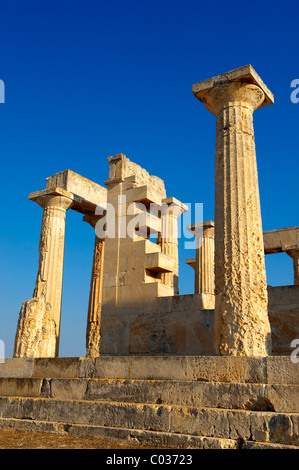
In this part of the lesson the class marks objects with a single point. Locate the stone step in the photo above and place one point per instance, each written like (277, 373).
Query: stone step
(262, 370)
(134, 436)
(260, 426)
(262, 397)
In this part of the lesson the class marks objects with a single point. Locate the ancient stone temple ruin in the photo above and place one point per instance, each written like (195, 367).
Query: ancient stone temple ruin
(214, 369)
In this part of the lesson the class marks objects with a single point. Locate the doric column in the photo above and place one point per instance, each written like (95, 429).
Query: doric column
(45, 307)
(204, 264)
(241, 318)
(294, 254)
(171, 210)
(95, 294)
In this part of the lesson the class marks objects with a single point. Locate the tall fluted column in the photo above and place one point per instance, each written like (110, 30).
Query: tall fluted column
(51, 251)
(241, 317)
(294, 254)
(95, 294)
(39, 322)
(203, 264)
(204, 273)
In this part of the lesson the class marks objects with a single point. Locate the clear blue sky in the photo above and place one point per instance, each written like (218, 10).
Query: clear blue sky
(86, 80)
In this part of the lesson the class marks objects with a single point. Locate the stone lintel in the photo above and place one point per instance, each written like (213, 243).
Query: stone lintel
(281, 240)
(242, 74)
(81, 187)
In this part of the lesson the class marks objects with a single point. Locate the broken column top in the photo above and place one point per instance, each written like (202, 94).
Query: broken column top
(121, 168)
(242, 74)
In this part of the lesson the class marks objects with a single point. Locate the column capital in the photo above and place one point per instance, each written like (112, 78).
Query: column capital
(55, 197)
(205, 229)
(241, 86)
(172, 201)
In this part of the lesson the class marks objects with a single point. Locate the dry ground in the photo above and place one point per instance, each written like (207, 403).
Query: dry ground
(12, 439)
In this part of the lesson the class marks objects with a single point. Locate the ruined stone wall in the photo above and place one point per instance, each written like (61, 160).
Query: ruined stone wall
(164, 325)
(180, 325)
(284, 317)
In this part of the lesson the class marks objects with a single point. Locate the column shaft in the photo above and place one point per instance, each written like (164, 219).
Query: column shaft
(241, 317)
(204, 271)
(51, 260)
(95, 300)
(169, 247)
(39, 322)
(241, 312)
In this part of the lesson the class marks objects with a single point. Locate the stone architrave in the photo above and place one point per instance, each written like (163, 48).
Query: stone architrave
(39, 321)
(241, 319)
(95, 295)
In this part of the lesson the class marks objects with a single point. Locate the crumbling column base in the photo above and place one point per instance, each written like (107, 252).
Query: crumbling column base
(36, 331)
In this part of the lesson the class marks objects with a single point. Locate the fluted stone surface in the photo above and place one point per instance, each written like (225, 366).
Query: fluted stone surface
(241, 319)
(95, 300)
(168, 240)
(204, 273)
(39, 321)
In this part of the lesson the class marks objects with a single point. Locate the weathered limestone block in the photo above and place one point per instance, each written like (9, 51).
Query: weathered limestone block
(284, 317)
(36, 331)
(241, 319)
(85, 193)
(120, 167)
(280, 240)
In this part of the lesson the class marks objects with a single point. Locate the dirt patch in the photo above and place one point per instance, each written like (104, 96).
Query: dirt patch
(13, 439)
